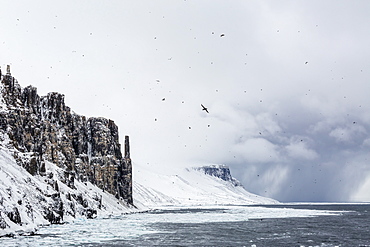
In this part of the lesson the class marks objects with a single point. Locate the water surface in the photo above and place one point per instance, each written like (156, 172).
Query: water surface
(275, 225)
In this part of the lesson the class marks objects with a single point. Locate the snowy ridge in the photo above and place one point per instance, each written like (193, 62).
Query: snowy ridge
(189, 187)
(26, 199)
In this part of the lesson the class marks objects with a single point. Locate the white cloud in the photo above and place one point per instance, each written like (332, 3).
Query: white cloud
(299, 150)
(257, 150)
(348, 133)
(268, 125)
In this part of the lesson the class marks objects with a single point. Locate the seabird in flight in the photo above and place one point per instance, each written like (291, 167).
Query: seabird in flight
(204, 108)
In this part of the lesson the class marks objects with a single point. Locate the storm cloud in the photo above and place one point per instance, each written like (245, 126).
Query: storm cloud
(286, 84)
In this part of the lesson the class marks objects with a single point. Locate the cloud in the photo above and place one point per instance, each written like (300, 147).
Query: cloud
(256, 150)
(267, 124)
(283, 72)
(366, 142)
(301, 151)
(348, 133)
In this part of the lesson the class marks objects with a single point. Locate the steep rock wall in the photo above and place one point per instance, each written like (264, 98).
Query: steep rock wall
(40, 129)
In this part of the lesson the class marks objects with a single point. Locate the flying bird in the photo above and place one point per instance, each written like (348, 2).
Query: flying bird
(204, 108)
(222, 35)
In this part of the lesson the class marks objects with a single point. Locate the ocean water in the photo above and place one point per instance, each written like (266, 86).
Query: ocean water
(254, 226)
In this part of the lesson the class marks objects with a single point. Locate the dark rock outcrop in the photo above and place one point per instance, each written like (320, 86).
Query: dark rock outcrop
(14, 215)
(43, 129)
(219, 171)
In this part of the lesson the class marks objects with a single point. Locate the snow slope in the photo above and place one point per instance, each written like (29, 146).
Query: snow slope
(26, 199)
(189, 187)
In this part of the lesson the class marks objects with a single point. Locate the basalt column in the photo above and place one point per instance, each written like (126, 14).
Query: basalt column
(127, 172)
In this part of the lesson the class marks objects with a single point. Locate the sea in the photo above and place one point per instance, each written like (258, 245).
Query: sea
(253, 226)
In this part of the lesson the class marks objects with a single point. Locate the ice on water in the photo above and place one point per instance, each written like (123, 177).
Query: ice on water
(129, 226)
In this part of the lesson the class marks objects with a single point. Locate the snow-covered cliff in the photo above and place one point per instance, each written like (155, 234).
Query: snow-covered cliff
(28, 201)
(219, 171)
(55, 164)
(206, 185)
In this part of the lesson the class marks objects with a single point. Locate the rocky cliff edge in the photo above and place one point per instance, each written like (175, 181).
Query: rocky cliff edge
(41, 130)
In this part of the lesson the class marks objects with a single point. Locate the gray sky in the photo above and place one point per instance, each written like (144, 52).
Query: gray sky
(287, 84)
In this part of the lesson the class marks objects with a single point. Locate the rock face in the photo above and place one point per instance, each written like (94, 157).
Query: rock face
(39, 129)
(28, 201)
(219, 171)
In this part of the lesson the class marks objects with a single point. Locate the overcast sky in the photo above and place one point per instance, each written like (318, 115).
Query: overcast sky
(286, 83)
